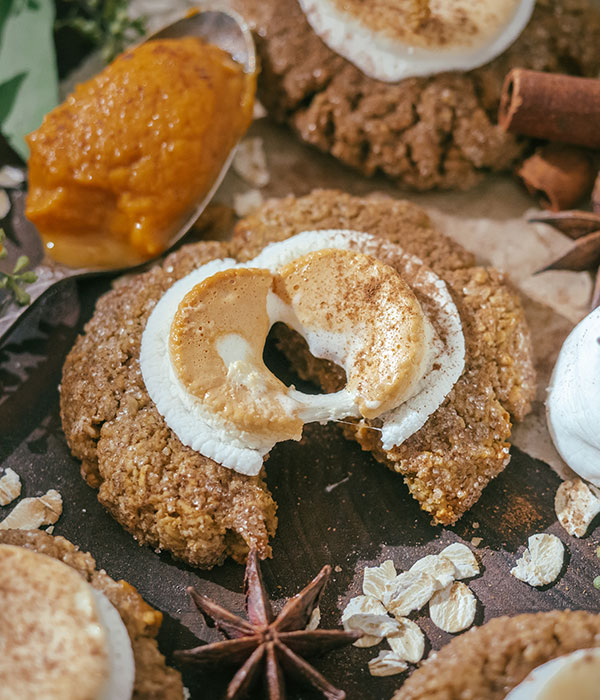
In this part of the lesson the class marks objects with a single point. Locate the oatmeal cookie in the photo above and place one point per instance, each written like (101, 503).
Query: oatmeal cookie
(447, 463)
(154, 680)
(435, 132)
(489, 661)
(172, 497)
(163, 492)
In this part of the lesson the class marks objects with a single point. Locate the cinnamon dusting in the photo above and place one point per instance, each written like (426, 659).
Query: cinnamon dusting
(426, 24)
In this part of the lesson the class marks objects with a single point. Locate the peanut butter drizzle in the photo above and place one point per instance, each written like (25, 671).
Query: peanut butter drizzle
(231, 305)
(360, 304)
(361, 298)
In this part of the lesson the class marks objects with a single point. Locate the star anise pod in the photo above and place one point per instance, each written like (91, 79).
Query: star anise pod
(583, 228)
(266, 643)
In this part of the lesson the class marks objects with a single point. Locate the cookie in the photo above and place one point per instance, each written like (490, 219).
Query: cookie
(448, 462)
(154, 680)
(163, 492)
(435, 132)
(172, 497)
(489, 661)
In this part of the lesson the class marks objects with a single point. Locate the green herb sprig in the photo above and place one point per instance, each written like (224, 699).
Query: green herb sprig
(16, 280)
(106, 23)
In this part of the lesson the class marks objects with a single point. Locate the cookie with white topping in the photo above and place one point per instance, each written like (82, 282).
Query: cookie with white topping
(466, 438)
(72, 631)
(506, 657)
(426, 131)
(186, 491)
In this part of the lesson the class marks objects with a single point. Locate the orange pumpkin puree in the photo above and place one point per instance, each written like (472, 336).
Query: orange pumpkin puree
(119, 166)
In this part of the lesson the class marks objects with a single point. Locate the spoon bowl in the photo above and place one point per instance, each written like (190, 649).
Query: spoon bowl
(215, 25)
(224, 28)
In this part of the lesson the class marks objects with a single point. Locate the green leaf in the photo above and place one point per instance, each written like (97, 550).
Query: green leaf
(4, 11)
(28, 76)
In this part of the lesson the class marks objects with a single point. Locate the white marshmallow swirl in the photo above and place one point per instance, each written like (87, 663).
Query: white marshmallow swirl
(243, 450)
(457, 35)
(575, 675)
(573, 403)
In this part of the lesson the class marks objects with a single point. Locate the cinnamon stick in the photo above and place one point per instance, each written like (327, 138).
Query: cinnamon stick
(560, 176)
(551, 106)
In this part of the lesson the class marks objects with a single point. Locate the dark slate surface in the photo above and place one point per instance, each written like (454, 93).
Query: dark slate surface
(336, 505)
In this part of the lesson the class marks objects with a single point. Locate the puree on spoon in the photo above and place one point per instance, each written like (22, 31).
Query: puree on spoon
(122, 162)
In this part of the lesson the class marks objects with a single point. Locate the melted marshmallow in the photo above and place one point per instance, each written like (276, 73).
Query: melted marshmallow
(575, 675)
(573, 403)
(243, 450)
(359, 313)
(381, 40)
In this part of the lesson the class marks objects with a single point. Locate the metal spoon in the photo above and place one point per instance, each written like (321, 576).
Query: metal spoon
(219, 26)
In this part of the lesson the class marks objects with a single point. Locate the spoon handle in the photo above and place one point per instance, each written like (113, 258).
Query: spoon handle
(12, 313)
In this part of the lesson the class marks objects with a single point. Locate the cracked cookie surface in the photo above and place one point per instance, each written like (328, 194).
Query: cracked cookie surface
(447, 463)
(435, 132)
(489, 661)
